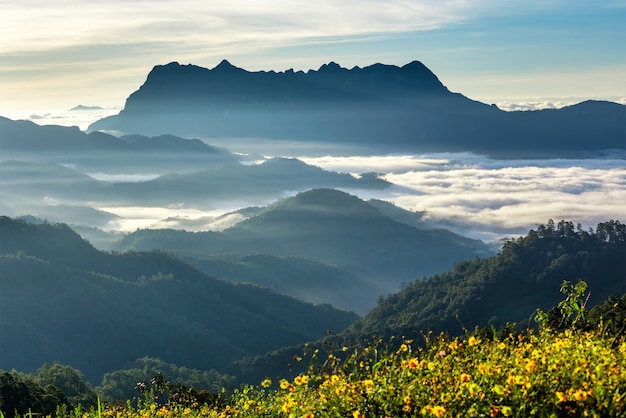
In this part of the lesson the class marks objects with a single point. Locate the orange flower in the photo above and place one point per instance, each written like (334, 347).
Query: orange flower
(495, 410)
(413, 363)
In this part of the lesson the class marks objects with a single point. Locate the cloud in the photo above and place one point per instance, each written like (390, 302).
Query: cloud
(489, 199)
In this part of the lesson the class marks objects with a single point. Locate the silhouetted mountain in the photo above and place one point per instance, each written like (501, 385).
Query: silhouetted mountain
(98, 151)
(379, 107)
(61, 299)
(327, 226)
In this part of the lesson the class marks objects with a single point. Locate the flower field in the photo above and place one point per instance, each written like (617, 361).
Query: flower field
(544, 374)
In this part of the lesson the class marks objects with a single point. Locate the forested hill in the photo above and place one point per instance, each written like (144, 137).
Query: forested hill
(526, 274)
(508, 287)
(62, 300)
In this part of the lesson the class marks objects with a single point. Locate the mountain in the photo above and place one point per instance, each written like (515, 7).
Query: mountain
(61, 299)
(328, 226)
(506, 288)
(98, 151)
(38, 188)
(301, 278)
(380, 108)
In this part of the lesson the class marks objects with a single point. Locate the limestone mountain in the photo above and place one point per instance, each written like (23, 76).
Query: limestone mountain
(380, 108)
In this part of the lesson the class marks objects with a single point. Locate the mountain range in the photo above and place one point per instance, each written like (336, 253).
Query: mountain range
(326, 226)
(379, 108)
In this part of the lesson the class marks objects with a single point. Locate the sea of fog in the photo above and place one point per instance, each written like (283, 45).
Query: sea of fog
(470, 194)
(474, 195)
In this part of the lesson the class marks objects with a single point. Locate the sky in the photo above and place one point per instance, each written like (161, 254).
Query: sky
(517, 54)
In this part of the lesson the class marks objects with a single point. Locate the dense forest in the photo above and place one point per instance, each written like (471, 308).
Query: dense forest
(507, 288)
(502, 290)
(62, 300)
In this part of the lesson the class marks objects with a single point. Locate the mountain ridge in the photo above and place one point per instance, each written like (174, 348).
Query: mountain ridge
(379, 108)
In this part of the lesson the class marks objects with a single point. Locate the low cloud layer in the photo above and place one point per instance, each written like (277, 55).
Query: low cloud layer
(489, 199)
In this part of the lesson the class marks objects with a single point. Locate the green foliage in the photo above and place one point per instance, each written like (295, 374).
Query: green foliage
(21, 394)
(70, 381)
(124, 384)
(61, 300)
(570, 311)
(507, 287)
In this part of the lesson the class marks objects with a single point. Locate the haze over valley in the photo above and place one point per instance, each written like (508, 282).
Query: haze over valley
(207, 211)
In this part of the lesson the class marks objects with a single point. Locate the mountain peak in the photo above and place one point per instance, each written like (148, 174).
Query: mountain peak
(225, 66)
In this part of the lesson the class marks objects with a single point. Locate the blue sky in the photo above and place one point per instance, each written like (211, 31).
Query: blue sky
(56, 55)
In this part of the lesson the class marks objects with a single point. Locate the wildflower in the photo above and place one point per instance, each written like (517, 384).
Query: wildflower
(369, 384)
(404, 347)
(442, 353)
(482, 368)
(454, 345)
(465, 377)
(580, 395)
(357, 414)
(561, 397)
(507, 411)
(438, 411)
(284, 384)
(266, 383)
(413, 363)
(472, 341)
(301, 380)
(495, 410)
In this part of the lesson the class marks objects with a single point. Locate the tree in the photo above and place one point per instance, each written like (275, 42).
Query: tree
(70, 381)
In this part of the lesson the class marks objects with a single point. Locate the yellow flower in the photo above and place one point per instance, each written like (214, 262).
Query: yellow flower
(413, 363)
(561, 397)
(404, 347)
(482, 368)
(301, 380)
(369, 384)
(580, 395)
(465, 377)
(472, 341)
(284, 384)
(266, 383)
(438, 411)
(357, 414)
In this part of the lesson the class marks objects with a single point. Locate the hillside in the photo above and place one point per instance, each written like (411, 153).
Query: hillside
(98, 151)
(379, 108)
(327, 226)
(507, 287)
(301, 278)
(63, 300)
